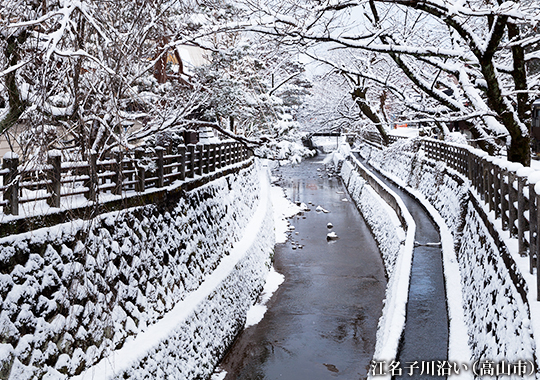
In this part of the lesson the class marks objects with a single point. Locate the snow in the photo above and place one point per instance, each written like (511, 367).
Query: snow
(488, 319)
(404, 132)
(331, 236)
(285, 150)
(218, 375)
(455, 137)
(283, 209)
(136, 294)
(326, 144)
(321, 209)
(136, 349)
(10, 156)
(256, 313)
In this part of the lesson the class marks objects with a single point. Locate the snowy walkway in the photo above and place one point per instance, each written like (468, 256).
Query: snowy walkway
(426, 328)
(321, 323)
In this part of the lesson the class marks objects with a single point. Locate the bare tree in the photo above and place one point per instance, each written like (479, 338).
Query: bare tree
(475, 49)
(86, 68)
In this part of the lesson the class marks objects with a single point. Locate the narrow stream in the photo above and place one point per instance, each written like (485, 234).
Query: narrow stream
(321, 323)
(425, 338)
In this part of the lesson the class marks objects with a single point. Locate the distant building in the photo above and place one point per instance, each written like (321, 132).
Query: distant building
(179, 63)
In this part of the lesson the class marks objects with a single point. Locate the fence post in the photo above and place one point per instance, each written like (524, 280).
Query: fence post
(92, 181)
(11, 194)
(182, 163)
(480, 176)
(216, 159)
(490, 189)
(212, 160)
(512, 197)
(533, 226)
(200, 155)
(470, 168)
(537, 248)
(54, 158)
(160, 151)
(204, 159)
(118, 175)
(475, 172)
(504, 199)
(219, 156)
(521, 216)
(497, 188)
(485, 181)
(206, 155)
(191, 150)
(140, 185)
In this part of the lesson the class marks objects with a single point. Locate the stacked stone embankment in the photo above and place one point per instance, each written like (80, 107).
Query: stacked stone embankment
(76, 297)
(495, 304)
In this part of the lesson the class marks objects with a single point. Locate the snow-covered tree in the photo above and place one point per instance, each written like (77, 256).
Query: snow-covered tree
(85, 70)
(94, 75)
(470, 59)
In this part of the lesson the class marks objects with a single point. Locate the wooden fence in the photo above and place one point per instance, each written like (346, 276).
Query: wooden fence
(374, 138)
(124, 171)
(508, 189)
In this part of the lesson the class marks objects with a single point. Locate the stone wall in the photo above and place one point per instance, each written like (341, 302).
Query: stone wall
(496, 309)
(396, 246)
(78, 293)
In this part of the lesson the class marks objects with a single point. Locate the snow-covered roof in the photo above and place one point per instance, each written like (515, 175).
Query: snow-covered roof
(192, 56)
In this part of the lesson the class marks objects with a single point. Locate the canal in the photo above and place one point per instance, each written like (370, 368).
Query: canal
(321, 323)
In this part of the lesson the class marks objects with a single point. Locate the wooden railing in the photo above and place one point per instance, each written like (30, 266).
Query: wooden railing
(375, 138)
(507, 189)
(124, 171)
(503, 186)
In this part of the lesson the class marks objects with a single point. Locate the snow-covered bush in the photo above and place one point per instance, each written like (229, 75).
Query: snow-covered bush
(285, 150)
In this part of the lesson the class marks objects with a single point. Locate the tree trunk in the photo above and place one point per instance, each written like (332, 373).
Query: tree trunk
(16, 105)
(359, 97)
(520, 150)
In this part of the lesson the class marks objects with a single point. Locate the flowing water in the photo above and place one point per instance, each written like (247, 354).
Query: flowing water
(425, 337)
(321, 322)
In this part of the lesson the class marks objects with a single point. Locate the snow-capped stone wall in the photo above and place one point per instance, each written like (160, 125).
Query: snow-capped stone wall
(395, 244)
(376, 214)
(496, 311)
(105, 290)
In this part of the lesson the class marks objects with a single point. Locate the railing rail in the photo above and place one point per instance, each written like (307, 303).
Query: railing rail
(374, 138)
(508, 189)
(122, 172)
